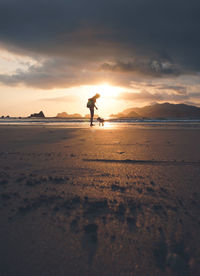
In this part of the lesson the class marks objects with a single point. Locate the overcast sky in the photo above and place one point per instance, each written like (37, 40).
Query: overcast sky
(53, 54)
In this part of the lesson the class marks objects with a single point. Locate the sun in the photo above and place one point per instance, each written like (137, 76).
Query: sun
(106, 90)
(108, 102)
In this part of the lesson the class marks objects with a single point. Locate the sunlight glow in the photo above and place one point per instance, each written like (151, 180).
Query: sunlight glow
(108, 102)
(106, 90)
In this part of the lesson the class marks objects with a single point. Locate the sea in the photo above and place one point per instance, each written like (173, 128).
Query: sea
(109, 122)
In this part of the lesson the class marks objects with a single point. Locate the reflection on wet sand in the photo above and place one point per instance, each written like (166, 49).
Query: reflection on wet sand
(114, 202)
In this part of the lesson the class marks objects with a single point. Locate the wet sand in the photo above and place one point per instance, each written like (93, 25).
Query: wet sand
(99, 201)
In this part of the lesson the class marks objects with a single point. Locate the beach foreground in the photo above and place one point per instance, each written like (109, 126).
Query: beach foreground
(99, 201)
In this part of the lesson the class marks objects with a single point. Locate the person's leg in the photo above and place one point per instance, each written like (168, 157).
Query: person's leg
(91, 115)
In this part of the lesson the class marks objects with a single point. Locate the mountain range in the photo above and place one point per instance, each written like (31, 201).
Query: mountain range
(164, 110)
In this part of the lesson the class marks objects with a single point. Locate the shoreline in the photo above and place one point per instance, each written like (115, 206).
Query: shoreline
(190, 125)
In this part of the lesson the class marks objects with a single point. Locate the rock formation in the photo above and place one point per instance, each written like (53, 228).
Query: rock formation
(37, 115)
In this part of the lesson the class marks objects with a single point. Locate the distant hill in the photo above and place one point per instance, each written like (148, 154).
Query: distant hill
(165, 110)
(66, 115)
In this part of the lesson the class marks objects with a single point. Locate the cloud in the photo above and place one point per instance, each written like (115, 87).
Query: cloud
(179, 89)
(154, 67)
(143, 39)
(145, 96)
(51, 73)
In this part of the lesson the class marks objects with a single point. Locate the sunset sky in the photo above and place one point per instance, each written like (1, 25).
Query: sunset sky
(54, 55)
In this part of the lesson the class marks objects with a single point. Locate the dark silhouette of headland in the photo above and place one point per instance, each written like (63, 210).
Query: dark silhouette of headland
(161, 111)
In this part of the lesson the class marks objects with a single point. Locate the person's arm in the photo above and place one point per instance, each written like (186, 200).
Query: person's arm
(95, 107)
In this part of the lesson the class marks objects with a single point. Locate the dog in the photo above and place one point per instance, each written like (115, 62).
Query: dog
(101, 121)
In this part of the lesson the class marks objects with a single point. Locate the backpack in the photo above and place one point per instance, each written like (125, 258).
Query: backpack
(89, 103)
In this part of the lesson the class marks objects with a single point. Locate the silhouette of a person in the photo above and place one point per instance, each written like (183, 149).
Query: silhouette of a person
(91, 105)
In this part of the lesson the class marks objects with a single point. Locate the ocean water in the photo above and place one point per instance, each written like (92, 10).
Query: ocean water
(109, 123)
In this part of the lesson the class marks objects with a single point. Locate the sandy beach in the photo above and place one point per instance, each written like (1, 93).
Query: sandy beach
(99, 201)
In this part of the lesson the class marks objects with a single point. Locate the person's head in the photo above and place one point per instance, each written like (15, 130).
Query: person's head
(97, 95)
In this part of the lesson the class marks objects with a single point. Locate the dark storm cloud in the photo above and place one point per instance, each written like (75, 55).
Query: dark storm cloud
(154, 67)
(153, 38)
